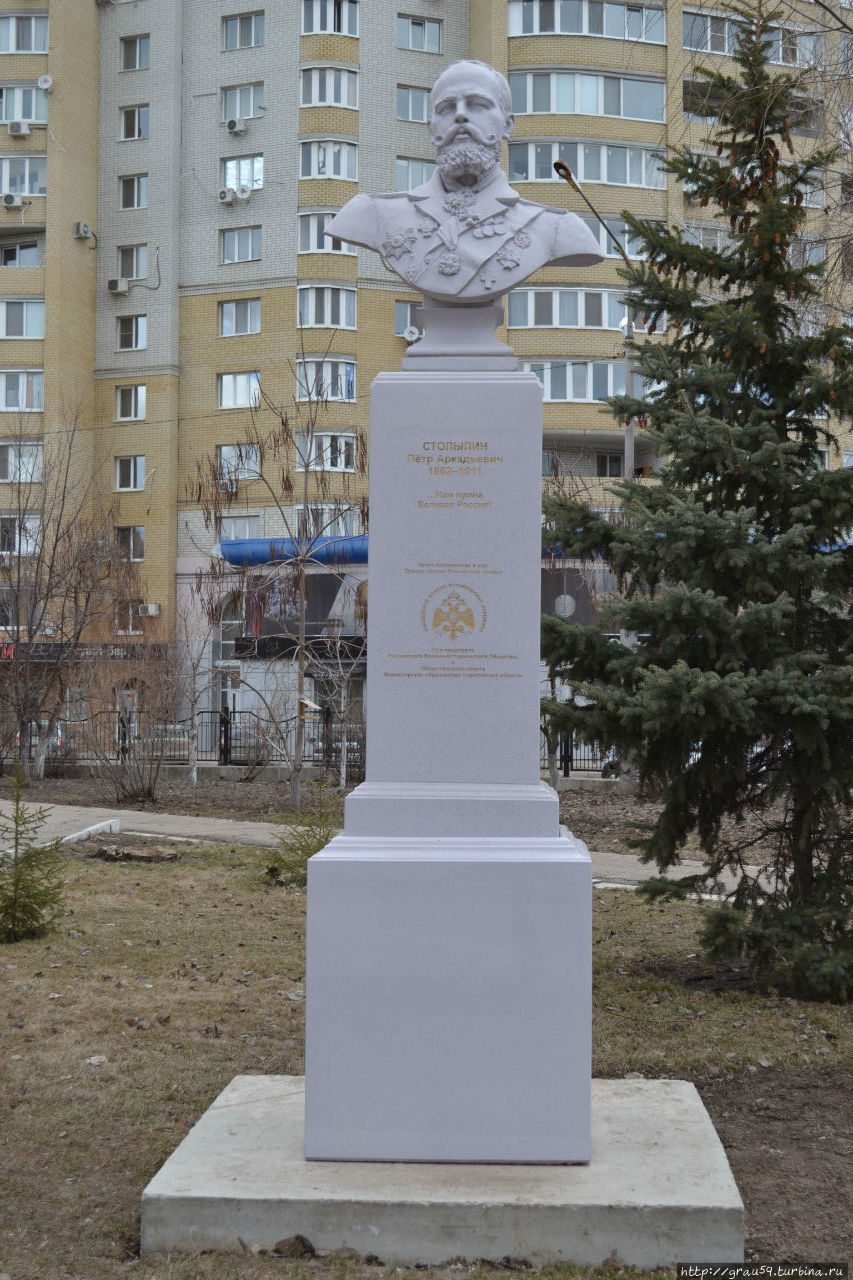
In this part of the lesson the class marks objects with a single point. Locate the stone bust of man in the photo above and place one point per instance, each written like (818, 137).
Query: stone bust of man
(466, 237)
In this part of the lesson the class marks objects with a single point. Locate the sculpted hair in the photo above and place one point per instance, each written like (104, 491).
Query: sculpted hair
(500, 85)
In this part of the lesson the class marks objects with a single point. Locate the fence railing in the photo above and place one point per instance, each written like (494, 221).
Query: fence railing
(239, 738)
(574, 756)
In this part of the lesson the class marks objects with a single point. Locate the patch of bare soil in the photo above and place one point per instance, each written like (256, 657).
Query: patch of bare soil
(788, 1137)
(256, 800)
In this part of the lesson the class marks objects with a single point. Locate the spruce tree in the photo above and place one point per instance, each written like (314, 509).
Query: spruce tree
(735, 568)
(31, 886)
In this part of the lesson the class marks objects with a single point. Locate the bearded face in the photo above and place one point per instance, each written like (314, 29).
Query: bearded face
(462, 154)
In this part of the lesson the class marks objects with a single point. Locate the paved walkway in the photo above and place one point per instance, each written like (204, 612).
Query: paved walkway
(67, 822)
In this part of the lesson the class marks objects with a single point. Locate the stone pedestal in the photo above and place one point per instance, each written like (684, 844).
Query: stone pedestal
(448, 954)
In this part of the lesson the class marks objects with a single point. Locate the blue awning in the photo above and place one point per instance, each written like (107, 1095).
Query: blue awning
(331, 551)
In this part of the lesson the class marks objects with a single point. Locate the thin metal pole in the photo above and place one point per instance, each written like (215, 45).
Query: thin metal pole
(563, 171)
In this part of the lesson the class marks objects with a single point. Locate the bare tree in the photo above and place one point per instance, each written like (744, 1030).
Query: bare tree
(60, 577)
(309, 476)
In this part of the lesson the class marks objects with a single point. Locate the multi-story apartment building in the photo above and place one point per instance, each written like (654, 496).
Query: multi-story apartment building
(167, 171)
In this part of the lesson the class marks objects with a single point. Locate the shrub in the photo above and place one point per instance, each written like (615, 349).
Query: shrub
(318, 823)
(31, 888)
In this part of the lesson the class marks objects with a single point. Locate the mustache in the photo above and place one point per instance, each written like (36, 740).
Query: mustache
(466, 131)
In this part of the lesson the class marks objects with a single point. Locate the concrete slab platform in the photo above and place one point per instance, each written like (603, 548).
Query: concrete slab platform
(658, 1189)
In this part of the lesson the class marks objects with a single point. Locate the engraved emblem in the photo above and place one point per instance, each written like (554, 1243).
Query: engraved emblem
(508, 260)
(454, 617)
(453, 612)
(459, 203)
(399, 243)
(488, 280)
(522, 239)
(449, 264)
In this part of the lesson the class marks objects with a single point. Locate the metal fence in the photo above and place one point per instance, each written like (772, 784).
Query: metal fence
(239, 738)
(575, 756)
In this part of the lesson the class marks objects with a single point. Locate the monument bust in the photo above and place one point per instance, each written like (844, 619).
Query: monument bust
(465, 237)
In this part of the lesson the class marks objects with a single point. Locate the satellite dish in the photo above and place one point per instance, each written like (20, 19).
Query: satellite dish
(45, 83)
(565, 606)
(411, 333)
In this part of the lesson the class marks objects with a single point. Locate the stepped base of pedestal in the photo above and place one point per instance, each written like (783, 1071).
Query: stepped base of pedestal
(453, 809)
(449, 1000)
(657, 1191)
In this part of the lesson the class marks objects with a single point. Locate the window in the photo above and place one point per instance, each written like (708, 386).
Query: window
(239, 390)
(566, 308)
(613, 164)
(23, 33)
(18, 102)
(847, 458)
(243, 171)
(708, 234)
(586, 17)
(581, 379)
(405, 317)
(325, 379)
(130, 402)
(21, 462)
(326, 308)
(243, 31)
(709, 33)
(238, 461)
(412, 104)
(21, 390)
(133, 191)
(238, 527)
(325, 520)
(20, 253)
(127, 617)
(8, 610)
(135, 53)
(133, 261)
(242, 244)
(329, 160)
(807, 253)
(608, 465)
(19, 535)
(22, 318)
(242, 101)
(23, 175)
(132, 333)
(130, 542)
(130, 473)
(325, 452)
(413, 173)
(582, 93)
(333, 16)
(133, 122)
(329, 86)
(240, 317)
(311, 238)
(619, 230)
(419, 33)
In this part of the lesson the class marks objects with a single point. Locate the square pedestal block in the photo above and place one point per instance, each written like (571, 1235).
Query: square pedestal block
(449, 1000)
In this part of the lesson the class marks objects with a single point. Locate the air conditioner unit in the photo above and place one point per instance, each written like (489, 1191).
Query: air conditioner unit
(45, 83)
(236, 125)
(18, 128)
(243, 192)
(226, 195)
(117, 284)
(82, 230)
(11, 201)
(149, 611)
(412, 333)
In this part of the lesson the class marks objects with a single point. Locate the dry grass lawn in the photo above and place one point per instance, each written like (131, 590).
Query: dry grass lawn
(167, 979)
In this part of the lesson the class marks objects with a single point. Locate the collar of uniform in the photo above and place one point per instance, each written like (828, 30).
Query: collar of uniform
(494, 198)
